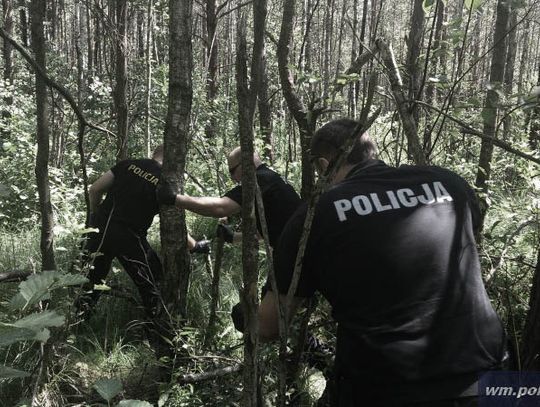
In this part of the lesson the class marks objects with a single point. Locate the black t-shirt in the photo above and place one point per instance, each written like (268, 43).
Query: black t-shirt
(393, 251)
(280, 201)
(132, 198)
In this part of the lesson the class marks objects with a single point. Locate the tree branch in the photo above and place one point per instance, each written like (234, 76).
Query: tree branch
(14, 276)
(396, 84)
(212, 374)
(467, 129)
(52, 84)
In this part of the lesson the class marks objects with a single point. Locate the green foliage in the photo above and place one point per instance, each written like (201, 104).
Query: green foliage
(39, 286)
(108, 388)
(9, 373)
(472, 4)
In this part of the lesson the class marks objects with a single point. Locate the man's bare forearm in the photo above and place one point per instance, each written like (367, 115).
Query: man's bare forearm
(205, 205)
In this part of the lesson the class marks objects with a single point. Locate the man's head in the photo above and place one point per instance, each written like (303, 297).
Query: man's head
(234, 161)
(158, 154)
(329, 140)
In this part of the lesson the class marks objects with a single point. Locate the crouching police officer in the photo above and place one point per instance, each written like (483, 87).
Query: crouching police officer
(393, 251)
(123, 219)
(280, 200)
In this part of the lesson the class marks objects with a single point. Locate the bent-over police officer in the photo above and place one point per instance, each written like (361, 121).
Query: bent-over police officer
(393, 251)
(123, 219)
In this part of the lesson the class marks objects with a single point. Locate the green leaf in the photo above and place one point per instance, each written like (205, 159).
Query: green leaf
(11, 334)
(37, 286)
(133, 403)
(43, 335)
(41, 320)
(17, 302)
(108, 388)
(67, 280)
(427, 5)
(472, 4)
(10, 373)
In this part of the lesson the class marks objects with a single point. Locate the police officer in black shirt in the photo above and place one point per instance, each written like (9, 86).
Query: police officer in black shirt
(393, 251)
(280, 200)
(123, 219)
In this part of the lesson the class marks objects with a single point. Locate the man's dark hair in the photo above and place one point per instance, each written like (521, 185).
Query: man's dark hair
(329, 140)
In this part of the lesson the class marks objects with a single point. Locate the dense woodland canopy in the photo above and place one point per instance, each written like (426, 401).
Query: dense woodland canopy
(86, 83)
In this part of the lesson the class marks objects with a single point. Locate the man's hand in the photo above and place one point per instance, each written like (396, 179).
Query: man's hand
(225, 232)
(165, 194)
(202, 246)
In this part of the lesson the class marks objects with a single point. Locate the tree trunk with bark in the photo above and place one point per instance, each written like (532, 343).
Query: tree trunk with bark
(7, 53)
(414, 47)
(23, 22)
(120, 87)
(491, 104)
(212, 48)
(509, 68)
(534, 121)
(265, 114)
(176, 267)
(247, 93)
(148, 62)
(306, 120)
(37, 13)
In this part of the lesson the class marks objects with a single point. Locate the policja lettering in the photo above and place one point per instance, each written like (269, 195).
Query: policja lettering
(402, 198)
(143, 174)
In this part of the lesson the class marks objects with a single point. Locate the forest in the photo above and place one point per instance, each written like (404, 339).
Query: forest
(88, 83)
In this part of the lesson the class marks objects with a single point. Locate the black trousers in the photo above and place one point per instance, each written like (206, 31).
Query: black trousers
(134, 254)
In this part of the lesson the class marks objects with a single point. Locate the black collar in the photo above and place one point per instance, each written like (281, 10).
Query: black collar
(364, 165)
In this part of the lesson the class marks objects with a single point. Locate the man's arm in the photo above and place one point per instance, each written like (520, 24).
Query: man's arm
(207, 205)
(100, 188)
(268, 315)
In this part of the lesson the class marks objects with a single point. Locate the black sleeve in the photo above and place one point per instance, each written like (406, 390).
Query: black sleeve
(472, 203)
(285, 257)
(235, 194)
(119, 167)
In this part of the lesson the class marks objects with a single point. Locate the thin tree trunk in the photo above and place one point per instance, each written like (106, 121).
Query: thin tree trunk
(509, 68)
(437, 48)
(353, 89)
(247, 97)
(414, 48)
(534, 120)
(176, 268)
(149, 30)
(89, 45)
(23, 22)
(524, 60)
(42, 156)
(119, 92)
(7, 12)
(294, 103)
(212, 84)
(491, 105)
(265, 114)
(409, 125)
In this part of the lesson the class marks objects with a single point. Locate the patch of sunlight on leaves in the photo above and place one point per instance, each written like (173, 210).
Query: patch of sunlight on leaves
(315, 383)
(133, 403)
(108, 388)
(472, 4)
